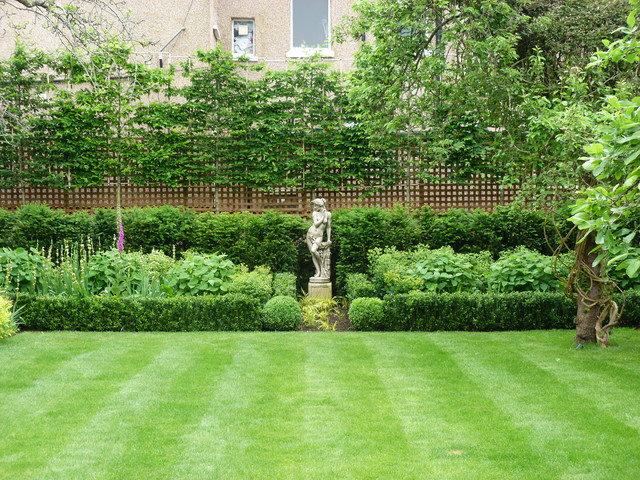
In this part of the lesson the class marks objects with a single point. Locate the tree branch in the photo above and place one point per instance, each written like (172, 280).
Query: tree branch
(34, 3)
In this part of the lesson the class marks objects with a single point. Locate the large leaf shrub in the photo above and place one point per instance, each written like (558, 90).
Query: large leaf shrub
(201, 275)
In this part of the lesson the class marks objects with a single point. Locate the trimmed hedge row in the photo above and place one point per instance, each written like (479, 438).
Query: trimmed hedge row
(176, 314)
(425, 311)
(277, 239)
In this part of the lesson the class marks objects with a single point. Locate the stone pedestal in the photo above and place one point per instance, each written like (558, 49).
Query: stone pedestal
(320, 288)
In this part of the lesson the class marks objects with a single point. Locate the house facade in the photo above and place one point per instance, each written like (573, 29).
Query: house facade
(270, 31)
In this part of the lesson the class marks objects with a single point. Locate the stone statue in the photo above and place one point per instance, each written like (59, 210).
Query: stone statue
(319, 248)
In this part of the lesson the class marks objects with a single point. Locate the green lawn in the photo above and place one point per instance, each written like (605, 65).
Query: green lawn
(310, 405)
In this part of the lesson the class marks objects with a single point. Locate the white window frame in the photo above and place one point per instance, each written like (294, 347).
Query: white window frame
(299, 52)
(251, 56)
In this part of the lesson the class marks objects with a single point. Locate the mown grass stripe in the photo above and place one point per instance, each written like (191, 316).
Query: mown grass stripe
(175, 410)
(452, 423)
(247, 414)
(104, 438)
(41, 418)
(549, 412)
(315, 406)
(350, 421)
(604, 383)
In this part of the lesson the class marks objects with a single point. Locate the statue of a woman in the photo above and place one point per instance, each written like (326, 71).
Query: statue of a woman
(319, 248)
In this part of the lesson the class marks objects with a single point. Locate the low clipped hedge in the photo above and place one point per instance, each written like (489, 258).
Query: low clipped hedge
(426, 311)
(181, 313)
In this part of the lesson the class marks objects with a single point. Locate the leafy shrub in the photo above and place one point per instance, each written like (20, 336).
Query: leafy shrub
(317, 313)
(37, 225)
(8, 325)
(166, 228)
(173, 314)
(446, 272)
(255, 284)
(462, 230)
(271, 239)
(281, 313)
(523, 270)
(358, 285)
(367, 314)
(389, 269)
(117, 273)
(7, 221)
(104, 230)
(359, 230)
(516, 226)
(284, 283)
(439, 270)
(21, 269)
(201, 275)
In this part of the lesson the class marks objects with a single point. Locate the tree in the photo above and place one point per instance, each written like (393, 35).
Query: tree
(608, 212)
(487, 87)
(81, 26)
(442, 71)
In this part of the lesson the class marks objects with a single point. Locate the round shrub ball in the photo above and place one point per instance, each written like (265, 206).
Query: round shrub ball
(281, 313)
(367, 313)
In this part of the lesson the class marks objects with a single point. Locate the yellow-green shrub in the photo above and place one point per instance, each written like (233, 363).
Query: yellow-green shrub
(8, 326)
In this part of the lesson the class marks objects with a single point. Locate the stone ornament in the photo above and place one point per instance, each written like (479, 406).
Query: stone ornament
(318, 246)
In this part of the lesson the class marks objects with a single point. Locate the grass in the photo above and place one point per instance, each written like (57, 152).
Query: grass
(309, 405)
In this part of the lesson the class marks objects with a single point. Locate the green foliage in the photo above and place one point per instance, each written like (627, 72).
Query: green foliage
(200, 275)
(317, 313)
(284, 283)
(293, 127)
(463, 230)
(37, 225)
(359, 230)
(440, 270)
(444, 271)
(166, 228)
(255, 284)
(367, 314)
(608, 207)
(174, 314)
(22, 270)
(271, 239)
(505, 228)
(281, 313)
(358, 285)
(426, 311)
(524, 270)
(114, 273)
(8, 324)
(565, 32)
(7, 221)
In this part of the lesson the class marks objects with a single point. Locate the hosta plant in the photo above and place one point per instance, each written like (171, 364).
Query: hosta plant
(200, 275)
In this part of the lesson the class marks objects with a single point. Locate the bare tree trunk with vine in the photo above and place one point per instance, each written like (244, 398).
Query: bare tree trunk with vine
(592, 291)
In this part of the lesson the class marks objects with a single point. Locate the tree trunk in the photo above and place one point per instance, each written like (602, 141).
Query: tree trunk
(589, 289)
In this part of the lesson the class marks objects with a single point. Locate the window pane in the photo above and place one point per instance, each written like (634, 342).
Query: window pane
(243, 38)
(310, 23)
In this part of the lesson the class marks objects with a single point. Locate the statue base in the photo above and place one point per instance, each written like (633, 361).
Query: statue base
(319, 288)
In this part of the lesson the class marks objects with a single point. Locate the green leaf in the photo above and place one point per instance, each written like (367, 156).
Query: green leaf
(631, 19)
(632, 268)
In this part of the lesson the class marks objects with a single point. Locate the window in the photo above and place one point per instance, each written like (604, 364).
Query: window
(243, 38)
(310, 28)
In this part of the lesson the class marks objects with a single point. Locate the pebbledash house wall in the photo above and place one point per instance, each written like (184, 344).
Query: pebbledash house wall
(176, 29)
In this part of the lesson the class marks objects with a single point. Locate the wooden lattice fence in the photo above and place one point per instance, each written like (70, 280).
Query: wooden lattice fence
(479, 192)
